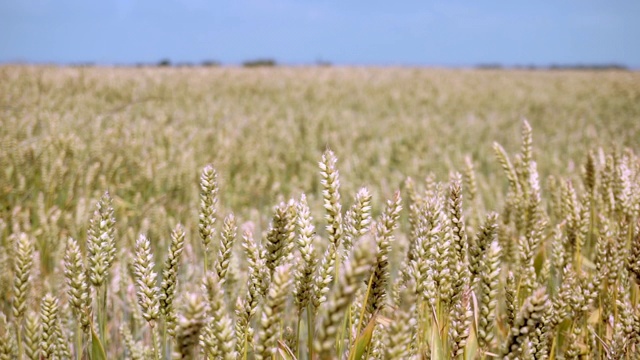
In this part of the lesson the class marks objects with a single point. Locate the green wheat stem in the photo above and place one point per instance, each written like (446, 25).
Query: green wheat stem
(349, 324)
(154, 339)
(340, 333)
(297, 344)
(102, 313)
(336, 265)
(164, 340)
(422, 323)
(366, 298)
(78, 339)
(310, 326)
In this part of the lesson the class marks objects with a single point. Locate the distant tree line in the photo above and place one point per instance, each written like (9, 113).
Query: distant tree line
(165, 62)
(168, 63)
(266, 62)
(260, 63)
(269, 62)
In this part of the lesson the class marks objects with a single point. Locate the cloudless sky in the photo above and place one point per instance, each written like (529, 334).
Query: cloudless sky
(371, 32)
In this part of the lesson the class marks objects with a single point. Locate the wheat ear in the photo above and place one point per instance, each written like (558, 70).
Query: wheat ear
(208, 209)
(170, 279)
(190, 323)
(274, 306)
(220, 326)
(148, 292)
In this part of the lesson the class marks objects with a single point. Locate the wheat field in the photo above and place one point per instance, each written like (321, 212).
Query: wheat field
(319, 213)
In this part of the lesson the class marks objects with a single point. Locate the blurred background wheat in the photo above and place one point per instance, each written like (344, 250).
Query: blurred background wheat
(115, 159)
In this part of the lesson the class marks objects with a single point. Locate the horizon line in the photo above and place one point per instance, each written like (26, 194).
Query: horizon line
(271, 62)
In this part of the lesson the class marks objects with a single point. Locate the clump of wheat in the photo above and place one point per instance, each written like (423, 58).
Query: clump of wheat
(529, 317)
(357, 266)
(190, 323)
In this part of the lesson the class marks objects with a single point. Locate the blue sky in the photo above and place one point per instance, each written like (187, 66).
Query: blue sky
(442, 33)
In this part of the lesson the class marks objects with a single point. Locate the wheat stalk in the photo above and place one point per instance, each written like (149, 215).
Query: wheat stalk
(208, 209)
(170, 279)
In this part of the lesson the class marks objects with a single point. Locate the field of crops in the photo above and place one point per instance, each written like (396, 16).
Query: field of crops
(319, 213)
